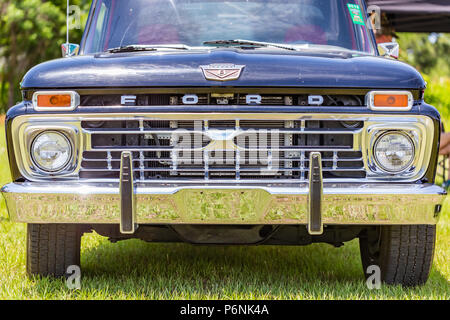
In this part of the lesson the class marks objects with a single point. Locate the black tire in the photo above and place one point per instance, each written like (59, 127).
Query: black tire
(51, 249)
(403, 253)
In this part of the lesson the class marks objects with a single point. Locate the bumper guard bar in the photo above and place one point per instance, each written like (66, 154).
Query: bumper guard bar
(127, 196)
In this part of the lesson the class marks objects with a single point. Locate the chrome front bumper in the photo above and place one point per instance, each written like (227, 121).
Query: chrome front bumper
(344, 204)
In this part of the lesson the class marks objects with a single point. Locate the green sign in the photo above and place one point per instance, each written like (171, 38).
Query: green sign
(355, 12)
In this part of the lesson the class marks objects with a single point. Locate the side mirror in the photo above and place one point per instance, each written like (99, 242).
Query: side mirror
(70, 50)
(389, 49)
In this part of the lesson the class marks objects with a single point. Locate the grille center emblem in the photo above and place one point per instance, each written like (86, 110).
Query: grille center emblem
(222, 72)
(221, 140)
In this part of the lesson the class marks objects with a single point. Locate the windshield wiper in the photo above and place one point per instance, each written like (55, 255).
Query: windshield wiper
(136, 48)
(243, 43)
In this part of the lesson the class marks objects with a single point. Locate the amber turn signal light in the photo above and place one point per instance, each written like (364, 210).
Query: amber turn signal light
(390, 100)
(55, 101)
(61, 100)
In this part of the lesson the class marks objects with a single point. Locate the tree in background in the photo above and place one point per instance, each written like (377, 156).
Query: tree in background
(430, 54)
(31, 31)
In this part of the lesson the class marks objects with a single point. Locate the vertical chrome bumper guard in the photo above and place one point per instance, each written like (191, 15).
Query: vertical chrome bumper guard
(127, 197)
(315, 226)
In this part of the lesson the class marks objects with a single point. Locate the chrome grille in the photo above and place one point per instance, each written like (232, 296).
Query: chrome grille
(344, 140)
(196, 150)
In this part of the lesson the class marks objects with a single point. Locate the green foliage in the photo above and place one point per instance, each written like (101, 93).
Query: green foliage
(429, 57)
(31, 31)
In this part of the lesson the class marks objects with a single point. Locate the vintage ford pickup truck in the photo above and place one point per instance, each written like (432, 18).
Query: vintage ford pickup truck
(244, 122)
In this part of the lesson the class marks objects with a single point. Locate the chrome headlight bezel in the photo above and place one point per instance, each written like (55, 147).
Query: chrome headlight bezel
(421, 134)
(40, 166)
(26, 134)
(379, 162)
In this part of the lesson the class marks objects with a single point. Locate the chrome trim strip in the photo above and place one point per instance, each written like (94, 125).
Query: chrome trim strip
(343, 204)
(210, 133)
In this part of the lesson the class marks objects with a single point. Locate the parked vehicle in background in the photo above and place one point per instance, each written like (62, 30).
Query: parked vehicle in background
(212, 122)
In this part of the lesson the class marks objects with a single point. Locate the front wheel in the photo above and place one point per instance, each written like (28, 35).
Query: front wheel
(403, 253)
(52, 248)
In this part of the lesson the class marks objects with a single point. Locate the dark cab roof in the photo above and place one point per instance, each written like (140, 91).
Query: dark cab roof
(416, 15)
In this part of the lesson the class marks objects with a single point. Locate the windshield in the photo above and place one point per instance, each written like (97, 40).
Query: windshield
(306, 23)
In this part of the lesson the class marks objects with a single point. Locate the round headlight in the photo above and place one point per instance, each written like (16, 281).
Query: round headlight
(394, 152)
(51, 151)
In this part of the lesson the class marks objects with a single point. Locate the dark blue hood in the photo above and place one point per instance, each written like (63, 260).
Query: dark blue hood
(263, 68)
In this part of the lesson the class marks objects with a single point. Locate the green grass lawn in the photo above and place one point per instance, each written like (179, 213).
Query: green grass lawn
(138, 270)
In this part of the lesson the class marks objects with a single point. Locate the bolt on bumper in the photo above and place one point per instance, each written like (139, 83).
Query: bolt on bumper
(342, 204)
